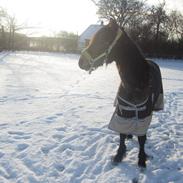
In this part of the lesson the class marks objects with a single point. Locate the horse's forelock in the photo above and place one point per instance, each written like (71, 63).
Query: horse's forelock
(110, 31)
(97, 34)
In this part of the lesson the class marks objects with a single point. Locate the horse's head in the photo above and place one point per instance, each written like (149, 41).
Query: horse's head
(100, 47)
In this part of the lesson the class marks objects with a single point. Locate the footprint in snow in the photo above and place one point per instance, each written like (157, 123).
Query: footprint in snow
(16, 133)
(19, 135)
(58, 136)
(23, 99)
(51, 119)
(3, 124)
(60, 129)
(46, 149)
(23, 122)
(59, 114)
(59, 167)
(21, 147)
(1, 154)
(22, 137)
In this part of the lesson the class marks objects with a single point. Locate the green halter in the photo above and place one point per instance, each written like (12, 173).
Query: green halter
(103, 55)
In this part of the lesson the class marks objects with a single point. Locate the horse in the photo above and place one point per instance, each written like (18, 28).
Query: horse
(140, 91)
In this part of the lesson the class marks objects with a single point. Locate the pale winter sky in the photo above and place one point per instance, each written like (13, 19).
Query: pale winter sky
(50, 16)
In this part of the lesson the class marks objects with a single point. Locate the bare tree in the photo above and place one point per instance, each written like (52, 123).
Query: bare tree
(13, 27)
(175, 25)
(95, 2)
(3, 15)
(123, 11)
(158, 18)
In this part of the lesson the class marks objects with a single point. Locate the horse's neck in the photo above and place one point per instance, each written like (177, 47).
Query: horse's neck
(130, 64)
(128, 91)
(134, 96)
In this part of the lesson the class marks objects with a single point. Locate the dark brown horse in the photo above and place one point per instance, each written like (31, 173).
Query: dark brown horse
(140, 91)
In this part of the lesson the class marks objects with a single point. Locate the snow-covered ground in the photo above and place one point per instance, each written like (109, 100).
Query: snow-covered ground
(54, 117)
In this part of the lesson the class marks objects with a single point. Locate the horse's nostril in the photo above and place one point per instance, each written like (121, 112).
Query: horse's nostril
(83, 64)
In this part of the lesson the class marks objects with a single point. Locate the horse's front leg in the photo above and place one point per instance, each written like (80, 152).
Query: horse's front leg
(142, 155)
(121, 152)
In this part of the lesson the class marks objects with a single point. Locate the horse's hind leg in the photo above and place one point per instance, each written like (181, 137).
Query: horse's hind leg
(142, 155)
(121, 152)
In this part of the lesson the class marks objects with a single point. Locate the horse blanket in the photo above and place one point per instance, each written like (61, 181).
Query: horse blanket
(129, 118)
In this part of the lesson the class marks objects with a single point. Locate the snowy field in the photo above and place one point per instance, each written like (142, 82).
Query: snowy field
(54, 117)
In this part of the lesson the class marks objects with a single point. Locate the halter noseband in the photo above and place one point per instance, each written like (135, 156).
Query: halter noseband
(104, 54)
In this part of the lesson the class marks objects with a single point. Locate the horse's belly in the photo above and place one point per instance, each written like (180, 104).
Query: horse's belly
(130, 125)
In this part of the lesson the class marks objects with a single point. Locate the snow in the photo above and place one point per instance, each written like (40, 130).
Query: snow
(54, 118)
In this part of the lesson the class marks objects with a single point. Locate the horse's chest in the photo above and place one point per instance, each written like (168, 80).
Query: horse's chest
(133, 105)
(132, 96)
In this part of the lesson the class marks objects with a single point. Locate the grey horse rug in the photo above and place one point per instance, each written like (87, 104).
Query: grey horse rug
(129, 118)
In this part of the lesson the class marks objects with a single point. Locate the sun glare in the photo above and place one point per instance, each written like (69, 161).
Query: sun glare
(48, 17)
(53, 15)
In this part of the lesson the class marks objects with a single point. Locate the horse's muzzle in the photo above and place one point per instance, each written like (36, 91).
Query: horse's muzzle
(83, 64)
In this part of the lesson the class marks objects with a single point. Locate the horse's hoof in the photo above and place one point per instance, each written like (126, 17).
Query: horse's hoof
(114, 163)
(142, 164)
(142, 169)
(129, 136)
(116, 160)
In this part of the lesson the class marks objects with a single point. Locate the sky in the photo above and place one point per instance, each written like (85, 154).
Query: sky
(170, 4)
(48, 17)
(51, 16)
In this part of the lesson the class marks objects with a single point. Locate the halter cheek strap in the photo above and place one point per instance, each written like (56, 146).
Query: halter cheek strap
(89, 57)
(103, 55)
(118, 35)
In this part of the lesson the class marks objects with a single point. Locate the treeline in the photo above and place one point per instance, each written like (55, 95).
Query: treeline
(8, 29)
(157, 30)
(61, 42)
(12, 39)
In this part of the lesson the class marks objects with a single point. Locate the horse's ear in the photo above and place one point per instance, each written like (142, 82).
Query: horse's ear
(112, 23)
